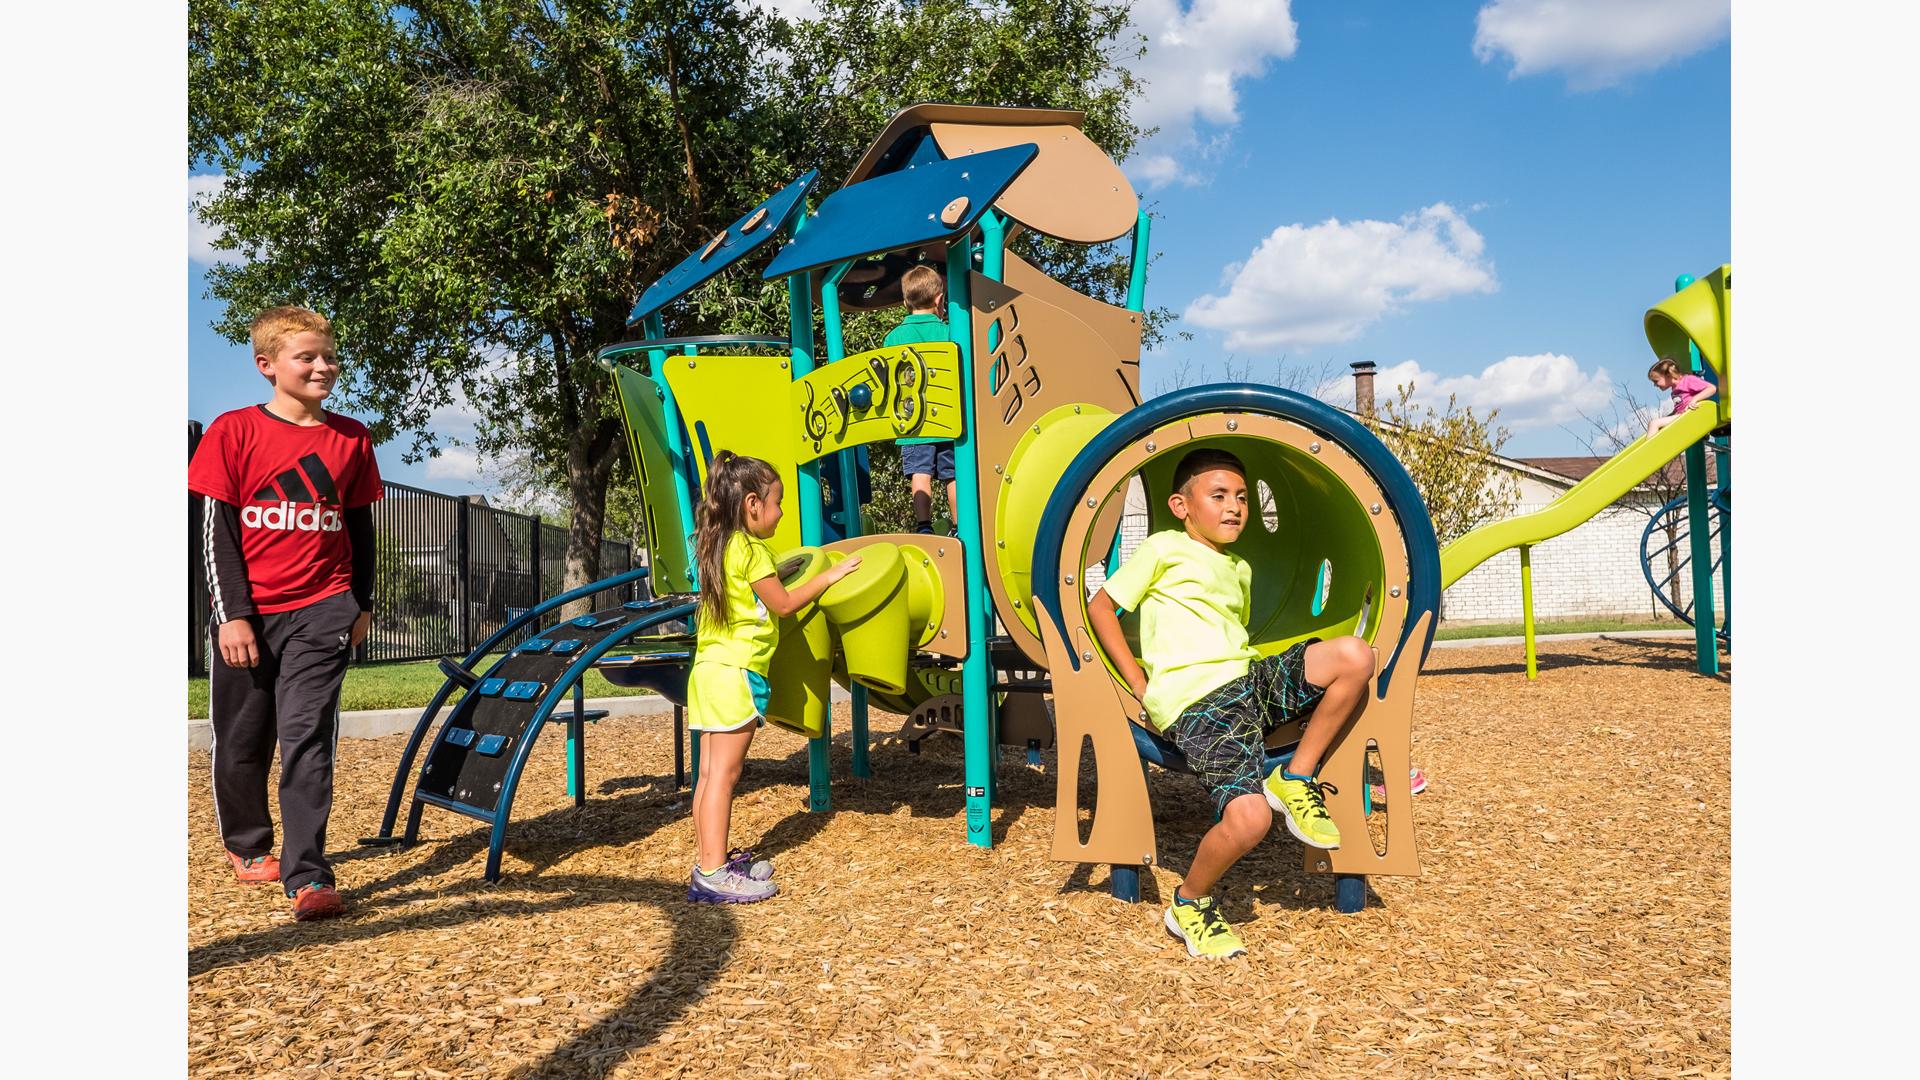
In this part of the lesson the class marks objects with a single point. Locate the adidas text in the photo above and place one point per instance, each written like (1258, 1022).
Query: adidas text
(287, 519)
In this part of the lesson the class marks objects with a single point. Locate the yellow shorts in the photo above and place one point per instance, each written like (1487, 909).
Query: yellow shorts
(721, 697)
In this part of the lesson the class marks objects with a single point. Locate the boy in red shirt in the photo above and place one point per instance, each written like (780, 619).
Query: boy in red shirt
(288, 539)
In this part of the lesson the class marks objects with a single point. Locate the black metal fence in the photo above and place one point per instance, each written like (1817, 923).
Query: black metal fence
(448, 572)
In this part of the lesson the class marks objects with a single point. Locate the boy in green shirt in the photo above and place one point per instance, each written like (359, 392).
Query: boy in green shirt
(925, 461)
(1216, 697)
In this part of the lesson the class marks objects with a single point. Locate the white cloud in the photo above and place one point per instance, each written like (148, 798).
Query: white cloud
(1542, 390)
(200, 235)
(1596, 43)
(1325, 283)
(791, 10)
(1196, 55)
(454, 463)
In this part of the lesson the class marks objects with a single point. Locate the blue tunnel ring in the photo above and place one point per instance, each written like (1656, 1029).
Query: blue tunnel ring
(1164, 420)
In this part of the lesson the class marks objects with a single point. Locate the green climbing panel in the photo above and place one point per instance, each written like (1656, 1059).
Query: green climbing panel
(905, 391)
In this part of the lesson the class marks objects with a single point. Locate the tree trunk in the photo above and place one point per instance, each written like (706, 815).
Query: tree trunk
(591, 455)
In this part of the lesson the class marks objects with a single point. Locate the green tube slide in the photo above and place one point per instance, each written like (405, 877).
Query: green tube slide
(1620, 474)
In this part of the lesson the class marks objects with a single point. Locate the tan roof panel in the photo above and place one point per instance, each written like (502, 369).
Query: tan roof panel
(1073, 191)
(919, 116)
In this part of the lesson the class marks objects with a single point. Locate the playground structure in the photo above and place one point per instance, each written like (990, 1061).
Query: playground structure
(1038, 389)
(1697, 317)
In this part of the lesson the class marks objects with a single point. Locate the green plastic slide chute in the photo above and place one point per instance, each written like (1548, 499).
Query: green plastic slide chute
(1620, 474)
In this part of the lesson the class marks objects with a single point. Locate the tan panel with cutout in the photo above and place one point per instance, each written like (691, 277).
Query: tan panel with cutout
(1056, 348)
(1092, 703)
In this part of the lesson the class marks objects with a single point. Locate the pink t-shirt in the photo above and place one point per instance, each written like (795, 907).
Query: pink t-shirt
(1686, 389)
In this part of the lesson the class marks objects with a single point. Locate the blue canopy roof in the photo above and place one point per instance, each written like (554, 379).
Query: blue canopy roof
(734, 244)
(901, 209)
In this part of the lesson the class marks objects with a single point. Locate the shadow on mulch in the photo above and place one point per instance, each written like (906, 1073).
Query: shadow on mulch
(703, 937)
(1651, 654)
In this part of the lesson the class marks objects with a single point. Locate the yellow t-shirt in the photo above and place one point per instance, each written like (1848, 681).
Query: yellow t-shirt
(747, 639)
(1193, 603)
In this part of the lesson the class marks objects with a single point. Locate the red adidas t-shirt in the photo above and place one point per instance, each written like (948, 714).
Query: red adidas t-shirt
(292, 485)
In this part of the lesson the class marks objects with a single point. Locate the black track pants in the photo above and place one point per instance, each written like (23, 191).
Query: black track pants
(292, 697)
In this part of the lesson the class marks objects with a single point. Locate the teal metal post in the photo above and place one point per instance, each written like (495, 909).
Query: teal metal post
(1136, 301)
(976, 701)
(1726, 535)
(679, 453)
(993, 266)
(993, 246)
(1137, 272)
(993, 261)
(1699, 538)
(800, 329)
(576, 736)
(849, 487)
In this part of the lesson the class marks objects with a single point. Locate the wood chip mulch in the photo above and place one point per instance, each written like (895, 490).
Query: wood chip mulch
(1572, 919)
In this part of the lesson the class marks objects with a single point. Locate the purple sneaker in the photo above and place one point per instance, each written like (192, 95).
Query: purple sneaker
(742, 861)
(727, 886)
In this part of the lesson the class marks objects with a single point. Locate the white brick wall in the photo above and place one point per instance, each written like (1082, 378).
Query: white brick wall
(1591, 570)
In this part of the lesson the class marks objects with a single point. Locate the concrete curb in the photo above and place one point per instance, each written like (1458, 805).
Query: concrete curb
(1610, 635)
(379, 723)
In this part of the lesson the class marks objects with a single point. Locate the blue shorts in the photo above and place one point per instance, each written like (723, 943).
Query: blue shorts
(928, 459)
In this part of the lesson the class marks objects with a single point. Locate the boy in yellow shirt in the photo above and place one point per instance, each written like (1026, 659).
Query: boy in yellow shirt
(1217, 698)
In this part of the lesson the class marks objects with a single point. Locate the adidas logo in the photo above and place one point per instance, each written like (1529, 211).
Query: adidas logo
(285, 518)
(290, 488)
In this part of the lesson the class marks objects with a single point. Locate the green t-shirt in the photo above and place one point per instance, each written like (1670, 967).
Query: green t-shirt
(1193, 603)
(918, 330)
(750, 633)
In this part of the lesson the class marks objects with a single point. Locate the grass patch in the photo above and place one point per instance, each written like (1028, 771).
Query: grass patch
(405, 685)
(410, 684)
(1557, 626)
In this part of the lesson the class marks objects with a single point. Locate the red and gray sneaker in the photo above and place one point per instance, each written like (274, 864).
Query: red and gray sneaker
(315, 900)
(742, 860)
(259, 870)
(728, 885)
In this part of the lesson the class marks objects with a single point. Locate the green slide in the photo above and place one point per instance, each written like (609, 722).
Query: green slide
(1611, 480)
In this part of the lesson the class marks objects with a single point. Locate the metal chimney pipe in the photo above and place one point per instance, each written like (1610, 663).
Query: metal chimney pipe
(1363, 387)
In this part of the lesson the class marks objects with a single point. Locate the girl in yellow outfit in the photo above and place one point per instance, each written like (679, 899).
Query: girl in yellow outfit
(741, 604)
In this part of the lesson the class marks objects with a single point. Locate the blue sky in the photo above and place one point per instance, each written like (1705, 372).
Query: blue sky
(1480, 197)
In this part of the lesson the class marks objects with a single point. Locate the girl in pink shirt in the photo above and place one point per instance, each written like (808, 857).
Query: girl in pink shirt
(1687, 389)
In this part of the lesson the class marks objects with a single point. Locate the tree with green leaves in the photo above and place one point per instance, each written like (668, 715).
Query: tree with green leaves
(475, 191)
(1449, 453)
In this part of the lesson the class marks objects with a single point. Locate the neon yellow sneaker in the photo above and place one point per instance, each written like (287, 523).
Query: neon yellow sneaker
(1305, 809)
(1204, 929)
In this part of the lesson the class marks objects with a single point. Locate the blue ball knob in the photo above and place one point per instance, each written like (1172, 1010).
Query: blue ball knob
(862, 396)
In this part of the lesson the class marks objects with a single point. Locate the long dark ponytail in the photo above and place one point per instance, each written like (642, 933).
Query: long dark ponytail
(723, 509)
